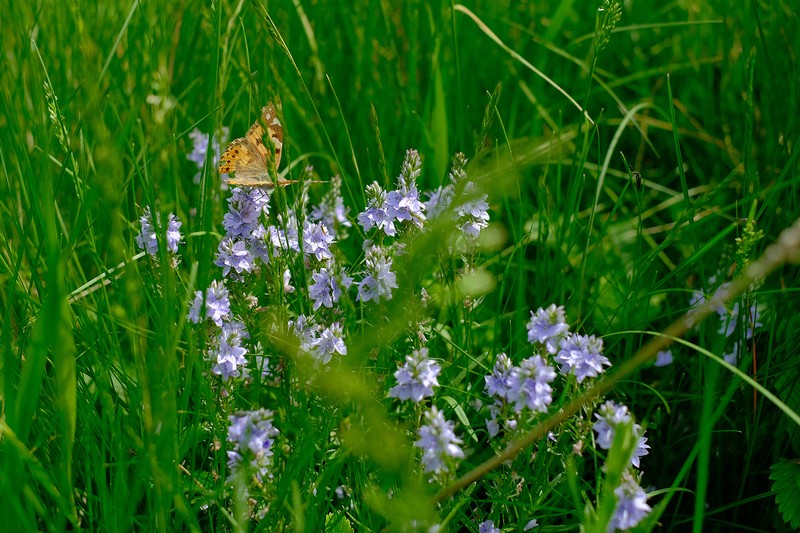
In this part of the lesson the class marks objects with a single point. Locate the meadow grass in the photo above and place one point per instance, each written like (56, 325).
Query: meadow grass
(112, 418)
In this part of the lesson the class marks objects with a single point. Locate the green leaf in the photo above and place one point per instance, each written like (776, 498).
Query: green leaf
(786, 477)
(337, 523)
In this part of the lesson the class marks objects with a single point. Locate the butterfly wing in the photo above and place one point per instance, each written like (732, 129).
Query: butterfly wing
(249, 158)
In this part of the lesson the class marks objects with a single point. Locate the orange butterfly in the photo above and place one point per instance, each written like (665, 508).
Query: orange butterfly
(250, 159)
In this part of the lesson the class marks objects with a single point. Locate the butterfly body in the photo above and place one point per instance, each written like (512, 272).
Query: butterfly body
(250, 159)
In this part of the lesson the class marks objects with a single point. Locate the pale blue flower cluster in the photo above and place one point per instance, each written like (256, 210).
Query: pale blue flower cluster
(548, 327)
(439, 444)
(472, 212)
(379, 279)
(417, 377)
(244, 241)
(147, 239)
(400, 205)
(632, 505)
(200, 149)
(729, 318)
(609, 417)
(327, 287)
(218, 304)
(228, 355)
(488, 527)
(320, 342)
(516, 388)
(582, 356)
(251, 434)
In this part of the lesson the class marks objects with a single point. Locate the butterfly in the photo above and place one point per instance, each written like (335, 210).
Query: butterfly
(249, 159)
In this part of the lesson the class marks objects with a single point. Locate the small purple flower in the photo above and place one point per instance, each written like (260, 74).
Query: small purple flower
(251, 434)
(439, 444)
(473, 215)
(403, 203)
(218, 306)
(173, 233)
(379, 279)
(729, 320)
(284, 236)
(582, 355)
(200, 147)
(631, 505)
(488, 527)
(287, 282)
(147, 239)
(375, 214)
(497, 382)
(732, 358)
(234, 255)
(609, 417)
(230, 354)
(416, 378)
(530, 525)
(306, 331)
(326, 289)
(664, 358)
(529, 385)
(196, 307)
(329, 342)
(548, 326)
(244, 212)
(317, 240)
(438, 200)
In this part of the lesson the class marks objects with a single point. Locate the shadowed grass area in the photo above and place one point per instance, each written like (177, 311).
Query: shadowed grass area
(111, 417)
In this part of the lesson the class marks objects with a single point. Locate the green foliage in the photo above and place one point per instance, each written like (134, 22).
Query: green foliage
(786, 484)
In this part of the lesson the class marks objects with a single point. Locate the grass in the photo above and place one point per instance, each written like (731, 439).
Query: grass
(111, 419)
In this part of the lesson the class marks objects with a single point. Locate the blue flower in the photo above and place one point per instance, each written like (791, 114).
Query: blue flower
(729, 320)
(497, 383)
(327, 288)
(473, 214)
(403, 203)
(329, 342)
(200, 147)
(173, 233)
(488, 527)
(609, 417)
(284, 236)
(664, 358)
(244, 212)
(438, 200)
(631, 505)
(251, 434)
(218, 306)
(416, 378)
(196, 307)
(581, 355)
(234, 255)
(379, 279)
(316, 241)
(548, 327)
(375, 214)
(148, 241)
(321, 343)
(229, 355)
(529, 385)
(439, 444)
